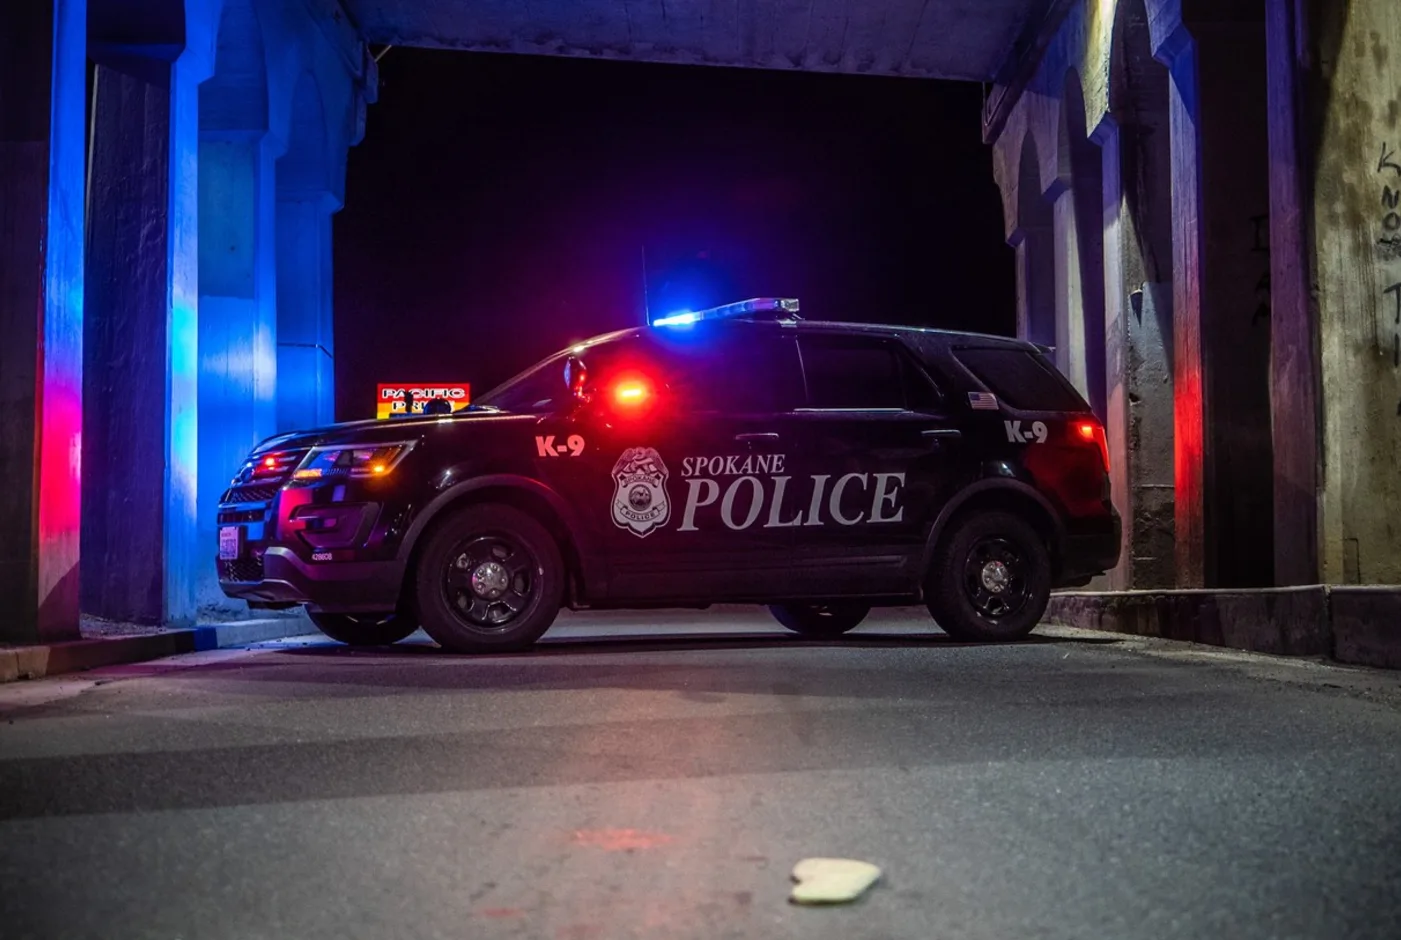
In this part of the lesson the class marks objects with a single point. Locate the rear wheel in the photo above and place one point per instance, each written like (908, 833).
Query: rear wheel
(991, 579)
(821, 621)
(363, 629)
(490, 579)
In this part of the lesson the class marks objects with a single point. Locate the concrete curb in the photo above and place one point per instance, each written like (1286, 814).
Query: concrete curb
(1360, 626)
(35, 662)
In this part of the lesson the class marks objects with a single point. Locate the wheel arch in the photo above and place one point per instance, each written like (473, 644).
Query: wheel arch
(1009, 495)
(530, 496)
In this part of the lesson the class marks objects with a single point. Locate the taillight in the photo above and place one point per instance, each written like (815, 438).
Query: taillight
(1093, 432)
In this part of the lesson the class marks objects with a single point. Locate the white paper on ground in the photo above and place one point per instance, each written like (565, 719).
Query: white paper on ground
(831, 880)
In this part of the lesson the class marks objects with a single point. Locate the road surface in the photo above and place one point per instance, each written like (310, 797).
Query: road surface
(624, 781)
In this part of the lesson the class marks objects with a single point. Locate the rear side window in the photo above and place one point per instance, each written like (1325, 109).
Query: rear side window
(846, 373)
(1021, 379)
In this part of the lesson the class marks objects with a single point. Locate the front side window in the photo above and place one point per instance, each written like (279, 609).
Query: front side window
(740, 373)
(852, 373)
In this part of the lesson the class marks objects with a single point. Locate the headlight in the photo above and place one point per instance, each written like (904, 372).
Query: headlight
(351, 460)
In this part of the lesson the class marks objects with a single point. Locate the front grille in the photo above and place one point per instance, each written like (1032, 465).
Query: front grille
(229, 517)
(261, 493)
(243, 569)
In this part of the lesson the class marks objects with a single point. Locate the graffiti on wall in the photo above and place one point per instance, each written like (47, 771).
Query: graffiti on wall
(1389, 245)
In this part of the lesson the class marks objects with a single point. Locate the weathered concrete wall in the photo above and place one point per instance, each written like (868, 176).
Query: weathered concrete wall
(1357, 224)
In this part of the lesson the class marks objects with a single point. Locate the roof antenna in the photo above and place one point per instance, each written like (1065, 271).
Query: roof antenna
(646, 304)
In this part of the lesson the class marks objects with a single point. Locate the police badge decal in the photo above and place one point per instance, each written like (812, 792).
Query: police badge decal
(639, 500)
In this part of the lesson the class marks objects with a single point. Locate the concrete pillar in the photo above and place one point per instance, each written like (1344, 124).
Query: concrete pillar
(1294, 363)
(1235, 201)
(1224, 472)
(42, 72)
(1189, 472)
(1354, 55)
(126, 344)
(1070, 307)
(1138, 303)
(141, 334)
(238, 319)
(1036, 279)
(305, 344)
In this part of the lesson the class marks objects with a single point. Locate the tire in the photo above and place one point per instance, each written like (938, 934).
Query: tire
(490, 579)
(821, 621)
(364, 629)
(991, 579)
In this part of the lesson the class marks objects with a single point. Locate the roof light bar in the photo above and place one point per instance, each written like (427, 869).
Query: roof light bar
(779, 305)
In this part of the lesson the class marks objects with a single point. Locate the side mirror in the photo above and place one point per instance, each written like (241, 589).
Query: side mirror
(576, 377)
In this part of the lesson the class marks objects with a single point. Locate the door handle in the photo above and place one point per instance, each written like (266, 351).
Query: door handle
(936, 438)
(767, 437)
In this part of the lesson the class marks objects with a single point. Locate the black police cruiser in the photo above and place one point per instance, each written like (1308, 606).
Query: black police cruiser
(735, 455)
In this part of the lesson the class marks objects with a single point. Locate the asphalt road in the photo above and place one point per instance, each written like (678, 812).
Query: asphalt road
(1079, 786)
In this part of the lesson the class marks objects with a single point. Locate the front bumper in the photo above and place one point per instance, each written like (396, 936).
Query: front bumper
(278, 576)
(331, 546)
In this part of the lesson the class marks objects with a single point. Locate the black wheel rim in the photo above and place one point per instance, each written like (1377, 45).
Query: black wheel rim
(489, 580)
(995, 578)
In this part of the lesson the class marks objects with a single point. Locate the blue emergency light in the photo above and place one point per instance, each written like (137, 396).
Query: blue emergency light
(777, 305)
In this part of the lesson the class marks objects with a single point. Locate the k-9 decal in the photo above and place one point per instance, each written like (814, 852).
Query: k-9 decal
(547, 447)
(1034, 433)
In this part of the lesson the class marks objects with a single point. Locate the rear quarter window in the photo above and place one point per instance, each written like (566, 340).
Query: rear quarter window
(1021, 379)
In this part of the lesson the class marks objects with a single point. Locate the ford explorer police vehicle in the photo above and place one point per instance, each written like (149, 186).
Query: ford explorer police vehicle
(738, 455)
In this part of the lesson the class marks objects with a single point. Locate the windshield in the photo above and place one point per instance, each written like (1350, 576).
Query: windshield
(541, 389)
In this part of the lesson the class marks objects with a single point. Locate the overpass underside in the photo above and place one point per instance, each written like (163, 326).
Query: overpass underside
(1202, 197)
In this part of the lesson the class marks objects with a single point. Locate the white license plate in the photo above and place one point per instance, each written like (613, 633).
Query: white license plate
(230, 542)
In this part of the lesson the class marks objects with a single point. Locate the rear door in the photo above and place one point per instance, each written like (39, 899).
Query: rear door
(881, 453)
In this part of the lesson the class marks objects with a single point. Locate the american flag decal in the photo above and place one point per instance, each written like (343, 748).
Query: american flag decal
(982, 401)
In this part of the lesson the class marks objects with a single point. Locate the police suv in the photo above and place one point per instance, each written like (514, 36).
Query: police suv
(735, 455)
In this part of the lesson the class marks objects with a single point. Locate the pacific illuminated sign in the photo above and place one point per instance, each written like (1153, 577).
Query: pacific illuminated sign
(395, 400)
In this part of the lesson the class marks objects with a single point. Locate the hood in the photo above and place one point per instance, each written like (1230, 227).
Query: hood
(375, 430)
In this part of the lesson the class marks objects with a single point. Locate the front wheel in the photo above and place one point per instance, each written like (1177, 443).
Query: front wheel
(363, 629)
(490, 579)
(821, 621)
(991, 579)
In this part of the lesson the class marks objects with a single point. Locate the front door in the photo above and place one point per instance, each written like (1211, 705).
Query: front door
(678, 478)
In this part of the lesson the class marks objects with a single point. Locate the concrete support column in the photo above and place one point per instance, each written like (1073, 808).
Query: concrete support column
(238, 319)
(1220, 154)
(305, 344)
(1036, 277)
(141, 340)
(1189, 471)
(1070, 307)
(1294, 341)
(42, 71)
(1117, 388)
(126, 343)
